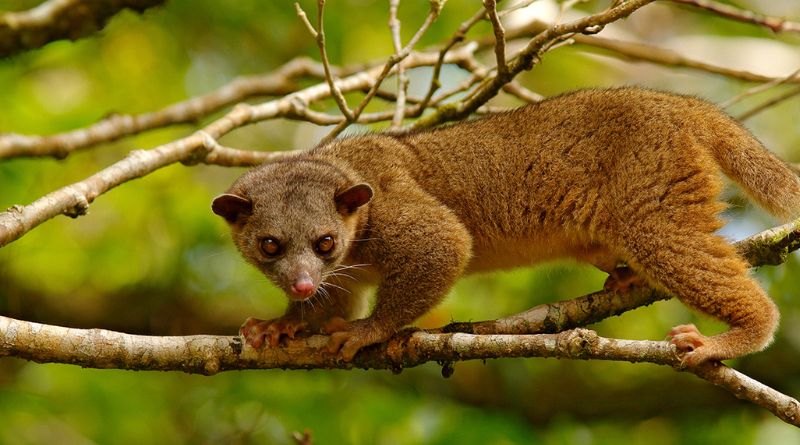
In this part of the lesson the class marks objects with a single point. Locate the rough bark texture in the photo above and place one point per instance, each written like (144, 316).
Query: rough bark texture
(60, 19)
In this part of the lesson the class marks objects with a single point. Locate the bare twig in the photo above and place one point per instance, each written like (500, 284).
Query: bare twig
(456, 38)
(776, 24)
(319, 36)
(402, 79)
(116, 126)
(640, 51)
(433, 14)
(527, 57)
(73, 200)
(770, 103)
(499, 37)
(760, 88)
(60, 19)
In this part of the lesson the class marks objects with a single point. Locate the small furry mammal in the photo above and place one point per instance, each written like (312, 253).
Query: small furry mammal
(603, 176)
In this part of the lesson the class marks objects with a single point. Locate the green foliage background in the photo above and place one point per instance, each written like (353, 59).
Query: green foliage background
(151, 258)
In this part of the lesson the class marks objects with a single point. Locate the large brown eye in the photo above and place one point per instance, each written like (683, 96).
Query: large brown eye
(270, 247)
(324, 245)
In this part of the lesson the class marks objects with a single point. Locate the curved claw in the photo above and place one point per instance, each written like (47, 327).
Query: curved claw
(256, 331)
(691, 344)
(347, 338)
(622, 279)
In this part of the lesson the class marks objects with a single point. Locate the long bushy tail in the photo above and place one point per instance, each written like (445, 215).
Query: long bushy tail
(767, 179)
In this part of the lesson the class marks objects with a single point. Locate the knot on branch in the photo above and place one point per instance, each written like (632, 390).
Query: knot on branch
(593, 29)
(80, 208)
(577, 343)
(201, 151)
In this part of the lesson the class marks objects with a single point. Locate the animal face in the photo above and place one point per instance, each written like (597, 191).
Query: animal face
(295, 223)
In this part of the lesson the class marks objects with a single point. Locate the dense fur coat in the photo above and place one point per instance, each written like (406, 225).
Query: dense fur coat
(611, 177)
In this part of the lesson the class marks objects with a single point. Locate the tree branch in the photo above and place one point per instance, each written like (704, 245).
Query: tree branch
(60, 19)
(527, 58)
(390, 67)
(776, 24)
(627, 50)
(516, 336)
(73, 200)
(116, 126)
(206, 354)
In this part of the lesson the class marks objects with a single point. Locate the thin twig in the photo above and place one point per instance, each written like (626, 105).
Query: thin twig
(528, 57)
(776, 24)
(433, 14)
(499, 37)
(402, 79)
(74, 200)
(319, 36)
(116, 126)
(456, 38)
(760, 88)
(627, 50)
(770, 103)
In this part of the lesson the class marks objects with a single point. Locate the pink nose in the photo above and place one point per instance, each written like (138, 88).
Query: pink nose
(303, 288)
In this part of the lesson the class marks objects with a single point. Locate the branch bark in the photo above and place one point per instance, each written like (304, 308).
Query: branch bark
(527, 58)
(776, 24)
(116, 126)
(539, 332)
(74, 200)
(60, 19)
(543, 331)
(205, 354)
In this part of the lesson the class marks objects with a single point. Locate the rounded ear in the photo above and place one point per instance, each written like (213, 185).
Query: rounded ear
(230, 206)
(350, 199)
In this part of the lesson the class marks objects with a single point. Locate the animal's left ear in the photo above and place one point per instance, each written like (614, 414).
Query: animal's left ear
(230, 207)
(350, 199)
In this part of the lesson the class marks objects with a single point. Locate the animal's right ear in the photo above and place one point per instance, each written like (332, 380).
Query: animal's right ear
(230, 206)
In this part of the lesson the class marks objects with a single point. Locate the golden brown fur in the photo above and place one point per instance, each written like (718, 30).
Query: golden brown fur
(605, 176)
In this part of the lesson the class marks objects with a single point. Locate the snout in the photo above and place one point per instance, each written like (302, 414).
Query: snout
(303, 287)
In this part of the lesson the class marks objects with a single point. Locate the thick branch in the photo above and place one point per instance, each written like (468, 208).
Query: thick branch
(205, 354)
(514, 336)
(60, 19)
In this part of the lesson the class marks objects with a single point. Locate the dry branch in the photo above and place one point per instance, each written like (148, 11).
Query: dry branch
(60, 19)
(776, 24)
(389, 68)
(539, 332)
(116, 126)
(516, 336)
(73, 200)
(637, 51)
(205, 354)
(527, 58)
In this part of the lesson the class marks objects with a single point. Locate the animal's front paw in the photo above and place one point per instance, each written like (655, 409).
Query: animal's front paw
(693, 346)
(346, 338)
(256, 331)
(622, 279)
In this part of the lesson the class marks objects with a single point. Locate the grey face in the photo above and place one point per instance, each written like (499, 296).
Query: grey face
(295, 236)
(296, 227)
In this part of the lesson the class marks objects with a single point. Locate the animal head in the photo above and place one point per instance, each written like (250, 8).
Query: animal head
(294, 220)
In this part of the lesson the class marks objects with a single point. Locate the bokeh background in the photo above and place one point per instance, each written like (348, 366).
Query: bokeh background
(151, 258)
